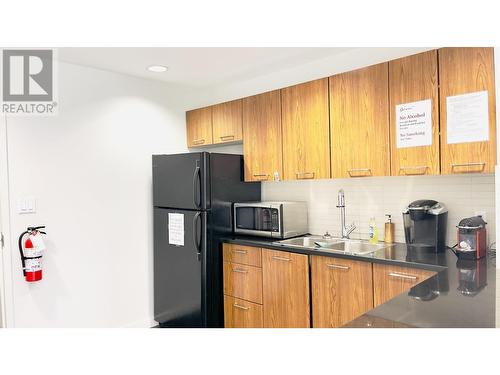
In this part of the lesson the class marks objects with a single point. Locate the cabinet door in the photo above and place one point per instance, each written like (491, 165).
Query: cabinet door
(262, 146)
(412, 79)
(462, 71)
(227, 122)
(306, 151)
(359, 121)
(239, 313)
(390, 281)
(199, 127)
(342, 290)
(285, 289)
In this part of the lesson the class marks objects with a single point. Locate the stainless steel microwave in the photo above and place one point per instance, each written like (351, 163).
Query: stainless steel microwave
(271, 219)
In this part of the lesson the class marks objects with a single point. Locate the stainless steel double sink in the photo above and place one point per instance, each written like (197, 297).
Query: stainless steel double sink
(338, 245)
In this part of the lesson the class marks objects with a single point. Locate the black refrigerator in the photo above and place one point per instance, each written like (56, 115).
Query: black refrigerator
(193, 195)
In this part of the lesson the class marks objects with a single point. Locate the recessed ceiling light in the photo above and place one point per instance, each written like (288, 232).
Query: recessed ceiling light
(157, 68)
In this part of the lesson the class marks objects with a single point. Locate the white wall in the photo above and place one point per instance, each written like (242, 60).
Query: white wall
(464, 196)
(89, 168)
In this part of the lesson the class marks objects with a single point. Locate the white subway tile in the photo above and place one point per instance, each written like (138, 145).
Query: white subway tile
(374, 197)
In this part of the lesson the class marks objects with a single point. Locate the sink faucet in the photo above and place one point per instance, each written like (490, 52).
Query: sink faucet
(346, 231)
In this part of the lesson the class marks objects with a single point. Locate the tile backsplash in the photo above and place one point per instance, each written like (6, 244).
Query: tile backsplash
(463, 195)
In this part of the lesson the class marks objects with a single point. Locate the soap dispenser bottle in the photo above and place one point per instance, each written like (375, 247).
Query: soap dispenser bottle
(373, 231)
(389, 230)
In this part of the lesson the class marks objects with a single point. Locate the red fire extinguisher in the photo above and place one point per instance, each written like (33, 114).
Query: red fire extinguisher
(31, 253)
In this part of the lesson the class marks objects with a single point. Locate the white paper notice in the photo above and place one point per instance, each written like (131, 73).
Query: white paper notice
(467, 118)
(176, 229)
(414, 124)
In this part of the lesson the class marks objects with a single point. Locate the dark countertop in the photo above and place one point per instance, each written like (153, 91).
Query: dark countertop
(461, 294)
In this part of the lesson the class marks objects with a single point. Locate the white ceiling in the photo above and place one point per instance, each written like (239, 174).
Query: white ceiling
(197, 67)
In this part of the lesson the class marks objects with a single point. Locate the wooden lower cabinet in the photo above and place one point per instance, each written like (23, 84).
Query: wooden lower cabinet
(239, 313)
(390, 281)
(274, 291)
(242, 281)
(241, 254)
(341, 290)
(285, 289)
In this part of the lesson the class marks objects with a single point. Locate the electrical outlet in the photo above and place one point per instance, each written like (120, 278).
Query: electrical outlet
(26, 205)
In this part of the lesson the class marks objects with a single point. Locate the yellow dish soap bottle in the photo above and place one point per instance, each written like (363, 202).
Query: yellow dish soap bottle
(373, 235)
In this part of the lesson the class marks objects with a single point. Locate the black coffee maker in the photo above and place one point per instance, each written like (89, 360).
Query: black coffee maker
(425, 224)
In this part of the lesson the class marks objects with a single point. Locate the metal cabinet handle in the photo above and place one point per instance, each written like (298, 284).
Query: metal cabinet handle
(304, 175)
(227, 138)
(198, 141)
(478, 164)
(239, 270)
(417, 167)
(281, 258)
(241, 307)
(403, 276)
(338, 266)
(356, 170)
(240, 251)
(261, 176)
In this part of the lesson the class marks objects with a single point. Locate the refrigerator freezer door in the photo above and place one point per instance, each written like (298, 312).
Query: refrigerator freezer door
(180, 181)
(179, 270)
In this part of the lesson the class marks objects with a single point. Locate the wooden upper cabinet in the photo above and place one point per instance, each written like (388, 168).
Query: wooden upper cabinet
(227, 122)
(462, 71)
(342, 290)
(285, 289)
(306, 151)
(262, 148)
(412, 79)
(359, 121)
(199, 127)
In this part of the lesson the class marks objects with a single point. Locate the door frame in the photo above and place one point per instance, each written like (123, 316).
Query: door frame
(6, 292)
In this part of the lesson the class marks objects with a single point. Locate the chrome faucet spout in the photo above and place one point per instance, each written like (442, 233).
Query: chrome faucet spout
(345, 231)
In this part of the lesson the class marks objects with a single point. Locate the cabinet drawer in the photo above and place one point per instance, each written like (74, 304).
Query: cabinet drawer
(390, 281)
(242, 281)
(248, 255)
(239, 313)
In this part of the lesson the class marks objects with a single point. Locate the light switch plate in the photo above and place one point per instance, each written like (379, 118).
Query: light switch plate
(26, 205)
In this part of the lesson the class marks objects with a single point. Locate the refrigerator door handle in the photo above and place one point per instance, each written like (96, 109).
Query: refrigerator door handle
(197, 187)
(196, 237)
